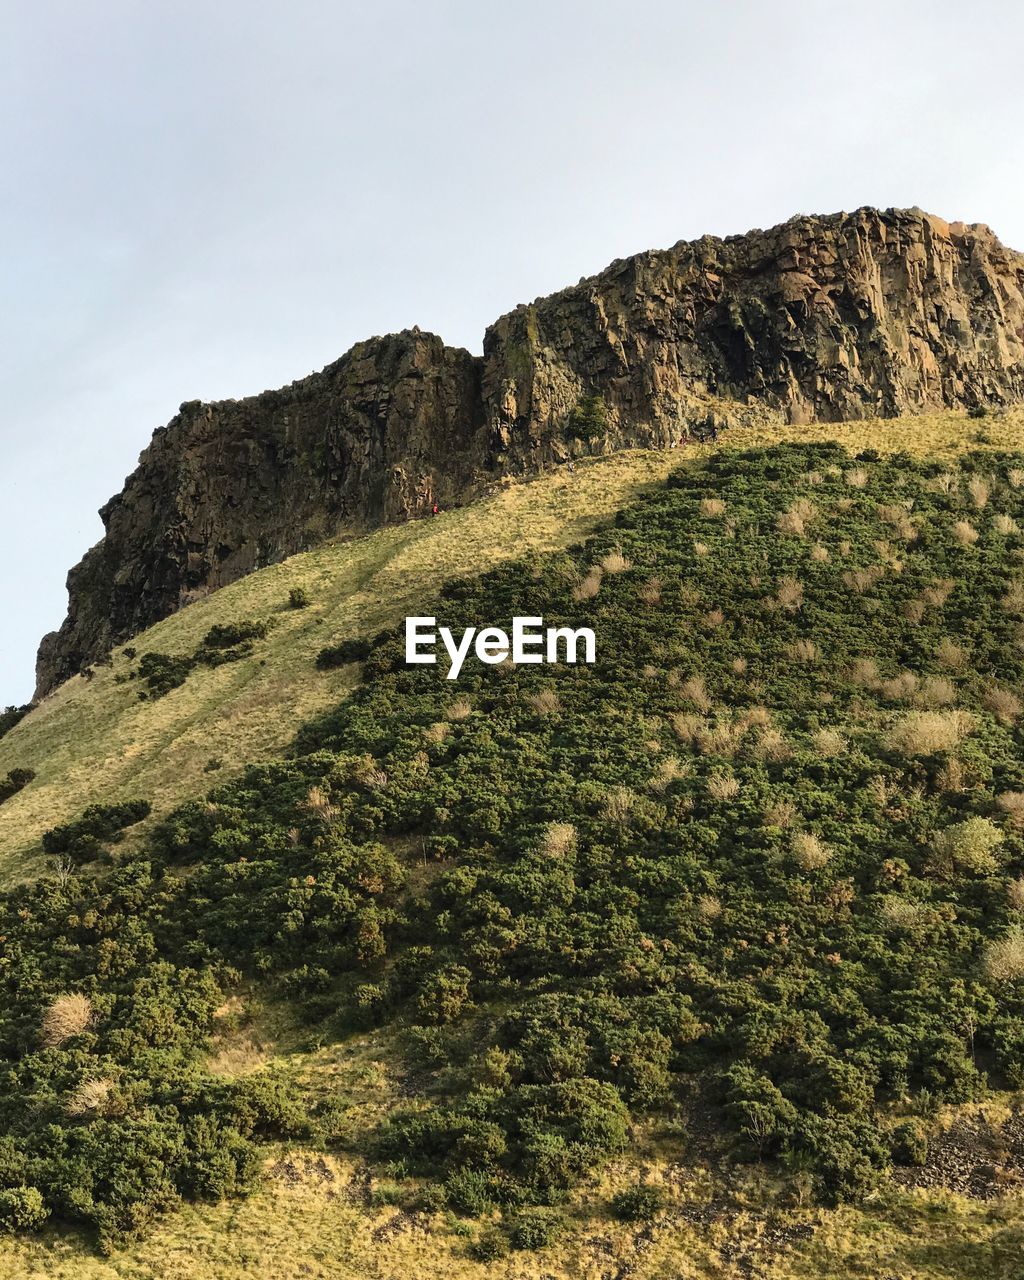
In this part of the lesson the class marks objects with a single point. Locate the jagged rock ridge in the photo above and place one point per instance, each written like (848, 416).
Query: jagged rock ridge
(847, 316)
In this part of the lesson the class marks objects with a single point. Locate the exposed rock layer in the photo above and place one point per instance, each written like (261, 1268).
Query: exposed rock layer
(848, 316)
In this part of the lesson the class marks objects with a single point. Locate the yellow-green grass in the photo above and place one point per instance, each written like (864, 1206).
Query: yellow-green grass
(939, 435)
(312, 1219)
(96, 741)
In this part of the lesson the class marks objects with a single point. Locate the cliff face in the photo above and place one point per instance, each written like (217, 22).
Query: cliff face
(848, 316)
(851, 316)
(227, 488)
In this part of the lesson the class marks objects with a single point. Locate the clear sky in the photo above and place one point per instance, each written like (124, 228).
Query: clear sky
(206, 199)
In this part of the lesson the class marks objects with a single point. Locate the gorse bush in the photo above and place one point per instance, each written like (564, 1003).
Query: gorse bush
(229, 642)
(22, 1209)
(909, 1144)
(223, 643)
(16, 780)
(532, 1229)
(100, 825)
(10, 716)
(163, 672)
(340, 655)
(638, 1204)
(717, 854)
(231, 635)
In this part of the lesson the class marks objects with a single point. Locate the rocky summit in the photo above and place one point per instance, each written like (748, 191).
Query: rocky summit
(872, 313)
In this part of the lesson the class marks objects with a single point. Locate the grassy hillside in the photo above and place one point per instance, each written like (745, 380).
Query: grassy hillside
(707, 959)
(94, 741)
(314, 1221)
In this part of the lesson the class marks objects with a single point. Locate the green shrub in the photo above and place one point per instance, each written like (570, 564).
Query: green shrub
(638, 1204)
(223, 643)
(758, 1109)
(229, 642)
(10, 716)
(533, 1229)
(266, 1103)
(398, 870)
(22, 1209)
(232, 634)
(470, 1192)
(909, 1144)
(387, 1193)
(298, 598)
(340, 655)
(100, 824)
(491, 1246)
(432, 1198)
(163, 672)
(218, 1162)
(444, 995)
(588, 420)
(16, 780)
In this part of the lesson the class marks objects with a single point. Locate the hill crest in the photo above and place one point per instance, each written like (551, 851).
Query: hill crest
(872, 313)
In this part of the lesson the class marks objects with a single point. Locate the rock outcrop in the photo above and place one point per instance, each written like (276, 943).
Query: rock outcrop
(849, 316)
(227, 488)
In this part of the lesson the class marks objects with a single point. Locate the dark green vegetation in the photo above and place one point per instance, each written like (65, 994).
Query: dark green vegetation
(101, 825)
(10, 716)
(340, 655)
(588, 420)
(767, 851)
(163, 672)
(13, 782)
(638, 1204)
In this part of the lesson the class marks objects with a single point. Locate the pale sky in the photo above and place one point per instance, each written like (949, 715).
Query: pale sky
(205, 200)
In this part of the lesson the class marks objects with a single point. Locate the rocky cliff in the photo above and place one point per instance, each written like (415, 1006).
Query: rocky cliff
(847, 316)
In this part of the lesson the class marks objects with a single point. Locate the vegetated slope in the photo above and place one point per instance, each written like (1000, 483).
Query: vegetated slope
(94, 741)
(764, 859)
(846, 316)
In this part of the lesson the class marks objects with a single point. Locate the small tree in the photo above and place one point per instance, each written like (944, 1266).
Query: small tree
(588, 420)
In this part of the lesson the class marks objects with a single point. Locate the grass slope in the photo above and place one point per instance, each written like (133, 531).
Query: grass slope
(775, 830)
(312, 1222)
(95, 742)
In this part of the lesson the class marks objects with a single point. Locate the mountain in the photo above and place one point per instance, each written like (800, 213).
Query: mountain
(707, 955)
(874, 313)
